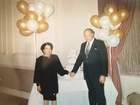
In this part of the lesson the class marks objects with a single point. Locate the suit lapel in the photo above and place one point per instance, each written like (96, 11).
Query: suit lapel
(83, 49)
(84, 46)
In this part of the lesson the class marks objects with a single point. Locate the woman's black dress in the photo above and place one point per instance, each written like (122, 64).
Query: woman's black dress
(45, 75)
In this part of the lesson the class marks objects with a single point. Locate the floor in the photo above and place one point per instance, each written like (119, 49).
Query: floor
(11, 100)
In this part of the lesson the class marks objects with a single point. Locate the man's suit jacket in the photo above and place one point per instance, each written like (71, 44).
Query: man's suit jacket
(96, 63)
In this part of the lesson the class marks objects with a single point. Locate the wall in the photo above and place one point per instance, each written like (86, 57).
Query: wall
(65, 31)
(130, 84)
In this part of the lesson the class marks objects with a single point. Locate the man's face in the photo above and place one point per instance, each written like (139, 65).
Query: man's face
(88, 35)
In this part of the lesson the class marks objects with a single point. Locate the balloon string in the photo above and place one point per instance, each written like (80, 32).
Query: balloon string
(35, 44)
(110, 61)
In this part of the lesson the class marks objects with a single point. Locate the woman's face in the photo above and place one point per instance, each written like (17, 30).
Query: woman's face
(47, 50)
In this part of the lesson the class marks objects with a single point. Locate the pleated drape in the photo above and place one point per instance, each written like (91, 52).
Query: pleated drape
(115, 52)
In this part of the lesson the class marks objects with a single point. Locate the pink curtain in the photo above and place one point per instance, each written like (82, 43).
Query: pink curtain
(115, 52)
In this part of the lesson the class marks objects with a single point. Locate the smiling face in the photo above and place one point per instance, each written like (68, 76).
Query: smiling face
(88, 35)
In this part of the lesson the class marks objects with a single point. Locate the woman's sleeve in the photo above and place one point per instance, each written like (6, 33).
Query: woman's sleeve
(36, 73)
(60, 69)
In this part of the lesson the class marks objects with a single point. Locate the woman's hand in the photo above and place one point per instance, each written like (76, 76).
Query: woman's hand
(39, 89)
(72, 74)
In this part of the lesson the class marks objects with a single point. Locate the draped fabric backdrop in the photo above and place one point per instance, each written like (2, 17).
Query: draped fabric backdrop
(129, 60)
(125, 27)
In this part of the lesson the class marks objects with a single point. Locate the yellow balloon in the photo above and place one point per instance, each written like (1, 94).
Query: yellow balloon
(95, 21)
(21, 24)
(118, 33)
(31, 15)
(115, 18)
(123, 14)
(22, 6)
(109, 9)
(43, 26)
(40, 18)
(26, 32)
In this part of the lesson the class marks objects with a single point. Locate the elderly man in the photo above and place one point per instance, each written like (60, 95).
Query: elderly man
(93, 54)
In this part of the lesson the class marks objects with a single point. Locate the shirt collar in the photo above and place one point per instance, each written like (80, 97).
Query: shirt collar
(91, 41)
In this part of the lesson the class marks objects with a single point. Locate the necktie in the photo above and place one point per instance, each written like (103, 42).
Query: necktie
(87, 49)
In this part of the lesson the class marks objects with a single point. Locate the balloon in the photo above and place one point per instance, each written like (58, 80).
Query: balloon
(21, 24)
(26, 32)
(49, 10)
(31, 15)
(115, 18)
(43, 26)
(31, 7)
(123, 14)
(117, 33)
(105, 22)
(40, 18)
(102, 34)
(94, 20)
(22, 6)
(109, 9)
(113, 41)
(39, 7)
(32, 25)
(115, 27)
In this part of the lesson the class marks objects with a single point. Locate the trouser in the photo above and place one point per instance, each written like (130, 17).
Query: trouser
(96, 92)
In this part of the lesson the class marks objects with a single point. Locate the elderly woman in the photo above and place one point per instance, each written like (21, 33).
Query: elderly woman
(45, 76)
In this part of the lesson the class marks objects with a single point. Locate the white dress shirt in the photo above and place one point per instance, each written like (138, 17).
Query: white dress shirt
(91, 42)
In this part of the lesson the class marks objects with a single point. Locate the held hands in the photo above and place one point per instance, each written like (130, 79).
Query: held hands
(102, 79)
(72, 74)
(39, 89)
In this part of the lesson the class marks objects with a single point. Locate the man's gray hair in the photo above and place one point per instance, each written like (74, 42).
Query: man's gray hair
(89, 29)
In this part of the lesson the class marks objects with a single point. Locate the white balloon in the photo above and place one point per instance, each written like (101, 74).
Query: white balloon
(116, 26)
(32, 25)
(113, 41)
(49, 10)
(105, 22)
(102, 34)
(31, 7)
(41, 1)
(39, 7)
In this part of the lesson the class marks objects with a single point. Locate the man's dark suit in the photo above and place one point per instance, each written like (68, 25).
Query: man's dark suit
(95, 65)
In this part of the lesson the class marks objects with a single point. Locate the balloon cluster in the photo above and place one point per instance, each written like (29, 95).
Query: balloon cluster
(34, 16)
(108, 25)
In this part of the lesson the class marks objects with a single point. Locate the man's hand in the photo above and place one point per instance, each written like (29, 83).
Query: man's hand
(72, 74)
(39, 89)
(102, 79)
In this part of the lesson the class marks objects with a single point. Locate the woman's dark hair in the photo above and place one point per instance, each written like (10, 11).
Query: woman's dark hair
(45, 44)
